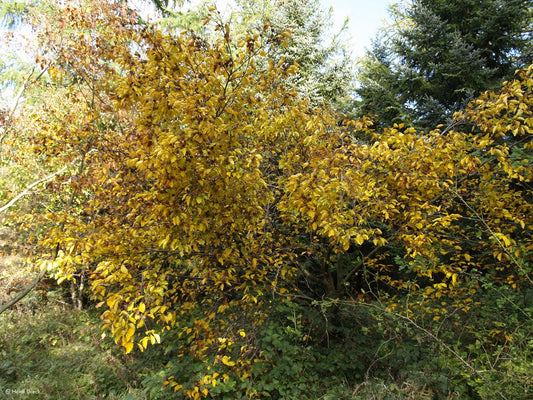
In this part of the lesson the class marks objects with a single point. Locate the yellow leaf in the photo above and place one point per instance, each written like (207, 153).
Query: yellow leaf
(227, 361)
(129, 347)
(346, 245)
(130, 332)
(144, 342)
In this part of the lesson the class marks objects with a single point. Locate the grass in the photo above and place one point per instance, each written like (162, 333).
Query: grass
(48, 350)
(55, 352)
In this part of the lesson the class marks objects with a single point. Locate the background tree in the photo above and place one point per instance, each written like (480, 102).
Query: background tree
(11, 12)
(325, 68)
(378, 86)
(441, 54)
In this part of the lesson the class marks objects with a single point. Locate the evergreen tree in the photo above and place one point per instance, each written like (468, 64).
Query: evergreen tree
(442, 53)
(11, 12)
(325, 72)
(381, 97)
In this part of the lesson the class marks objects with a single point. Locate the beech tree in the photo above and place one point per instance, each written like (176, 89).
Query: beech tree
(325, 67)
(198, 191)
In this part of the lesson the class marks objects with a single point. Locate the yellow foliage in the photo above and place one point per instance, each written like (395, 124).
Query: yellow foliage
(207, 187)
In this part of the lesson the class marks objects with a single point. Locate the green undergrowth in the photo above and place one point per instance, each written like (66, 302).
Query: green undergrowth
(327, 350)
(54, 352)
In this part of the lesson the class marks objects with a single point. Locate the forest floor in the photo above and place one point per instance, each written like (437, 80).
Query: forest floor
(48, 350)
(51, 350)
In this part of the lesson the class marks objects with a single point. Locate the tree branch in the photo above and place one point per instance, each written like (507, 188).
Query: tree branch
(24, 293)
(29, 188)
(16, 102)
(27, 289)
(45, 179)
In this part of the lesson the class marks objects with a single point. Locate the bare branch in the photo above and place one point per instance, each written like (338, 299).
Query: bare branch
(45, 179)
(24, 293)
(29, 188)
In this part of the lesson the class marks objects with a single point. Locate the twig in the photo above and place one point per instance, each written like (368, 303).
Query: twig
(443, 344)
(16, 102)
(447, 347)
(28, 288)
(493, 234)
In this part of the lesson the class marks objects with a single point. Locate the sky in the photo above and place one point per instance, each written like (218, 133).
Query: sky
(365, 18)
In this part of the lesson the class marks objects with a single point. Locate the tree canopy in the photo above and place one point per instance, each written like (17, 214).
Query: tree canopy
(199, 193)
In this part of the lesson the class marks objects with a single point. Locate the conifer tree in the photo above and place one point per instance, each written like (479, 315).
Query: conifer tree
(325, 72)
(444, 53)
